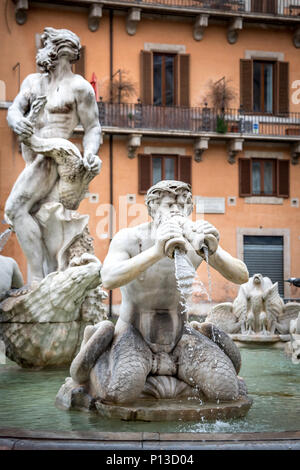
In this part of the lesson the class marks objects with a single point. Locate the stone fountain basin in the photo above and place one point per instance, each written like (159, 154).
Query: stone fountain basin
(151, 409)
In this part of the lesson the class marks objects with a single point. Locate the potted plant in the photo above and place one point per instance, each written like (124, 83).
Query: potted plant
(221, 94)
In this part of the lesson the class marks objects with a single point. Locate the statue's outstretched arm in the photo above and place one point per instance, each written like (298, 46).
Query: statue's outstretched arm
(119, 268)
(231, 268)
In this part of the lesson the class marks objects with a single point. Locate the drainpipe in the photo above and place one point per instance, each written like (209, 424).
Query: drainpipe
(111, 180)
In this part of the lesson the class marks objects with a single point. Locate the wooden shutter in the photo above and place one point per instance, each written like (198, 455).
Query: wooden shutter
(79, 66)
(245, 177)
(283, 178)
(264, 6)
(282, 77)
(246, 85)
(257, 5)
(145, 173)
(146, 77)
(184, 79)
(185, 169)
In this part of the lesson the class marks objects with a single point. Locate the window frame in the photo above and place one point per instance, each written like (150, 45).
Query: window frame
(274, 176)
(274, 87)
(163, 78)
(280, 168)
(281, 83)
(163, 170)
(183, 171)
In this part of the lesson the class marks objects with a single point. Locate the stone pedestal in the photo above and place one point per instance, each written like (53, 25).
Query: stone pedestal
(193, 409)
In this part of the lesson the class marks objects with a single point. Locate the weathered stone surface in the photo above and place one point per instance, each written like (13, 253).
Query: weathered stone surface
(44, 328)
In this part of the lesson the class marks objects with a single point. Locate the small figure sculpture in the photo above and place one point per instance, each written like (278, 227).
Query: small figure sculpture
(44, 114)
(10, 276)
(257, 310)
(153, 350)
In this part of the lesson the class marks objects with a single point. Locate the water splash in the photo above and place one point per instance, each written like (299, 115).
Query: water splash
(205, 251)
(4, 237)
(185, 274)
(188, 281)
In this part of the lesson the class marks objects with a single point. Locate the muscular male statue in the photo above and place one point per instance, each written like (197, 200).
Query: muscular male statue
(151, 335)
(67, 100)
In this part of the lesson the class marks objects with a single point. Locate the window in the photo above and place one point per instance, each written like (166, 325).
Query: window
(154, 168)
(165, 78)
(264, 6)
(263, 177)
(264, 86)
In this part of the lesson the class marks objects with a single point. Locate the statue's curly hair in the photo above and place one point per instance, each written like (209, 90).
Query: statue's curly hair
(176, 188)
(53, 41)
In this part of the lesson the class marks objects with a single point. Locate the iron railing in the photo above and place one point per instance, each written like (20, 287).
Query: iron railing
(269, 7)
(196, 120)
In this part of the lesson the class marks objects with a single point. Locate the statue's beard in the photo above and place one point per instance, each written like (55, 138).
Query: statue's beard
(46, 59)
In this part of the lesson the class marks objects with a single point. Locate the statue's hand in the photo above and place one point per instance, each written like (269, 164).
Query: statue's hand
(166, 231)
(92, 163)
(202, 232)
(23, 128)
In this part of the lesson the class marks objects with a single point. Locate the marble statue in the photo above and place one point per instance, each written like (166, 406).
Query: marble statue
(44, 115)
(152, 350)
(292, 348)
(257, 311)
(42, 324)
(10, 276)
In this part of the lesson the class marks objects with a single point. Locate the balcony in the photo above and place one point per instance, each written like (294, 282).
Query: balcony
(196, 121)
(252, 7)
(247, 9)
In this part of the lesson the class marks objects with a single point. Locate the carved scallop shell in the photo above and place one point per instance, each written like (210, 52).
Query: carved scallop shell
(165, 386)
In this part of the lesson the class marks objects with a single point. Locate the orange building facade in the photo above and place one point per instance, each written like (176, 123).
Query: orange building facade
(157, 69)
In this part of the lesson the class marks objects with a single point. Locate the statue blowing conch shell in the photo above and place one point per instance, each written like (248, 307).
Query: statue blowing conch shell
(153, 352)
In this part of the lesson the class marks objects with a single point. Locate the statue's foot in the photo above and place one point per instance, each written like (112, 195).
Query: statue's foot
(265, 332)
(24, 289)
(86, 258)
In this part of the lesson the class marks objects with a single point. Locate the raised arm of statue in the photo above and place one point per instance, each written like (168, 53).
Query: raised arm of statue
(119, 268)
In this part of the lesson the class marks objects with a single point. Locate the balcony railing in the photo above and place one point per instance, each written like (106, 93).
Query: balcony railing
(265, 7)
(196, 120)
